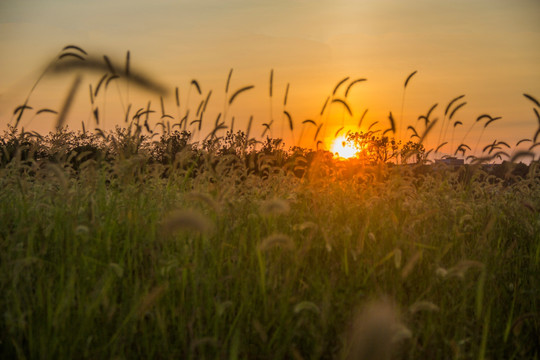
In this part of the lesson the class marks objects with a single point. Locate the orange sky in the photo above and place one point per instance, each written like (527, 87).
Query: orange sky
(486, 49)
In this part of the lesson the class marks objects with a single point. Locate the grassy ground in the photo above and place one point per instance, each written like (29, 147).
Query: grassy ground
(117, 261)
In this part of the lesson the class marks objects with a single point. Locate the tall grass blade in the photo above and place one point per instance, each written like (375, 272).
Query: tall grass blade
(392, 123)
(452, 103)
(100, 82)
(338, 85)
(227, 84)
(440, 146)
(491, 120)
(96, 115)
(206, 101)
(127, 113)
(351, 85)
(238, 92)
(317, 131)
(531, 98)
(71, 55)
(462, 148)
(427, 131)
(522, 154)
(248, 131)
(456, 109)
(197, 86)
(96, 65)
(109, 65)
(324, 106)
(483, 116)
(46, 111)
(409, 78)
(127, 71)
(344, 103)
(415, 133)
(199, 108)
(68, 102)
(426, 117)
(162, 106)
(266, 128)
(271, 81)
(21, 108)
(362, 118)
(111, 78)
(91, 95)
(372, 125)
(74, 47)
(289, 118)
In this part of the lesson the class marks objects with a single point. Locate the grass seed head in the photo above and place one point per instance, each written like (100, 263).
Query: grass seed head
(203, 197)
(149, 300)
(186, 220)
(307, 306)
(409, 267)
(461, 268)
(82, 230)
(376, 332)
(423, 306)
(274, 207)
(307, 225)
(59, 174)
(441, 272)
(275, 240)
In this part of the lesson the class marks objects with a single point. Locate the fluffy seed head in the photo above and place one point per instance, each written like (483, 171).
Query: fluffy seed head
(275, 240)
(423, 306)
(274, 207)
(186, 220)
(376, 332)
(203, 197)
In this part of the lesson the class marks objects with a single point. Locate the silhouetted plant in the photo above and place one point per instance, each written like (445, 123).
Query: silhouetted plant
(413, 150)
(373, 149)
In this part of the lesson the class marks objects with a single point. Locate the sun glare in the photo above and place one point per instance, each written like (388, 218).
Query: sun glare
(343, 149)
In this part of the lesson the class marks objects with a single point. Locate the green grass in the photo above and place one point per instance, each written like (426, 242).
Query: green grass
(143, 244)
(89, 271)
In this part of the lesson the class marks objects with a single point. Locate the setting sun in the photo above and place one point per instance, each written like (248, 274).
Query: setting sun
(342, 148)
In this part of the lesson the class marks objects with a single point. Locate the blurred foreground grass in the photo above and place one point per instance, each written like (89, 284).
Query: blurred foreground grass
(115, 260)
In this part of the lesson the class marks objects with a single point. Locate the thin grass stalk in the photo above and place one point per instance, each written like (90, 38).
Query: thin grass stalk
(68, 102)
(451, 116)
(400, 136)
(226, 98)
(270, 98)
(285, 98)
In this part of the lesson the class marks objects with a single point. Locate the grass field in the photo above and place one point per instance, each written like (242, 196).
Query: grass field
(115, 260)
(257, 254)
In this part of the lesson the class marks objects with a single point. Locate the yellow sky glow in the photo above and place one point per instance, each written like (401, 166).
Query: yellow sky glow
(342, 148)
(486, 49)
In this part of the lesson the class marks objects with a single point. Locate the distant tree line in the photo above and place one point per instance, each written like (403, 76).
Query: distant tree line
(178, 148)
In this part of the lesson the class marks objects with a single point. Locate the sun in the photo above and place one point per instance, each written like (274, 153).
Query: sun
(342, 148)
